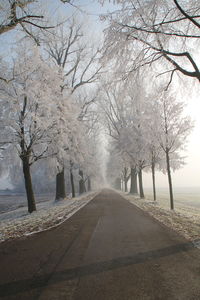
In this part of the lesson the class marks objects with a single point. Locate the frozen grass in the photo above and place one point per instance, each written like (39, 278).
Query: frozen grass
(185, 204)
(185, 219)
(49, 214)
(9, 202)
(182, 196)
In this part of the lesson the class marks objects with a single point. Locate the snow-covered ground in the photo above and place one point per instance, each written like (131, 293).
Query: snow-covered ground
(19, 222)
(185, 219)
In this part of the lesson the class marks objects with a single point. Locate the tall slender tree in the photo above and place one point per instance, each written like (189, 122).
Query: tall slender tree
(171, 131)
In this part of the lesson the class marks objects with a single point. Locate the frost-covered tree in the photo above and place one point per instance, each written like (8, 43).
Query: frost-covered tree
(171, 129)
(145, 128)
(25, 13)
(74, 145)
(133, 139)
(68, 49)
(153, 148)
(29, 111)
(146, 32)
(117, 167)
(31, 16)
(121, 109)
(90, 166)
(66, 144)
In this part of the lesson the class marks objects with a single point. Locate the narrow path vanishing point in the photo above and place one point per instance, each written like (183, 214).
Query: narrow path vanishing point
(108, 250)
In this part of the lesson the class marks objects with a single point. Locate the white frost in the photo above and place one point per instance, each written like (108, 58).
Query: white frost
(49, 214)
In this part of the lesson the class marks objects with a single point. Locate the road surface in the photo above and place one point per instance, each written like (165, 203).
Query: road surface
(108, 250)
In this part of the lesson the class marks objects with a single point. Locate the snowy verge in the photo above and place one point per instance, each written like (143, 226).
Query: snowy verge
(183, 220)
(50, 214)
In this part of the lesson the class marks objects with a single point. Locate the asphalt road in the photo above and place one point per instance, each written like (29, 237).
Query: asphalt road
(109, 250)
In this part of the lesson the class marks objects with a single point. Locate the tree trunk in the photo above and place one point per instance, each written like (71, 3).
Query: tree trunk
(82, 188)
(121, 184)
(89, 184)
(72, 183)
(170, 181)
(125, 184)
(134, 188)
(153, 179)
(28, 185)
(60, 185)
(141, 184)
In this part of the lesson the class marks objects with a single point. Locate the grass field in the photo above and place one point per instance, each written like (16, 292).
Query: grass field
(182, 196)
(186, 200)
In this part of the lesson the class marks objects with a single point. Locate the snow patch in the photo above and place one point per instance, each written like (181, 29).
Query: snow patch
(49, 214)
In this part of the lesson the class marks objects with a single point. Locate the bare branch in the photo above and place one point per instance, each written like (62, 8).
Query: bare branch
(156, 31)
(186, 15)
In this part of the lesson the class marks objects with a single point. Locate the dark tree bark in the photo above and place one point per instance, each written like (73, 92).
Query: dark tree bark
(82, 188)
(141, 184)
(28, 185)
(126, 177)
(125, 184)
(169, 180)
(153, 179)
(25, 157)
(89, 184)
(72, 183)
(133, 188)
(60, 185)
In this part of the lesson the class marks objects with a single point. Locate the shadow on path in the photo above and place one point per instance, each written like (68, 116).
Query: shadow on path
(20, 286)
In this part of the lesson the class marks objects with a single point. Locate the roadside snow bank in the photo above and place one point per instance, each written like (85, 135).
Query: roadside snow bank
(49, 214)
(184, 220)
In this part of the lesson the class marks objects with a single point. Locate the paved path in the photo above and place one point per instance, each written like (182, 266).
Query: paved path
(109, 250)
